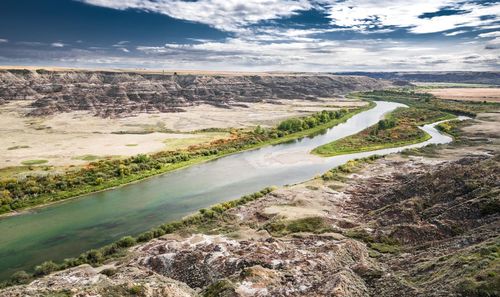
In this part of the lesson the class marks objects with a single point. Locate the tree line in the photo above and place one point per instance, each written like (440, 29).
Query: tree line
(20, 192)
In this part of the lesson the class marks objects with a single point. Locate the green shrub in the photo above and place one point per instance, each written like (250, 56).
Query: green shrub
(385, 247)
(33, 162)
(93, 257)
(126, 241)
(386, 124)
(484, 288)
(146, 236)
(491, 206)
(109, 271)
(20, 277)
(220, 288)
(311, 224)
(136, 290)
(46, 268)
(291, 125)
(360, 234)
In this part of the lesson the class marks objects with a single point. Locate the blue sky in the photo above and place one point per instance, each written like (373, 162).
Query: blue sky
(252, 35)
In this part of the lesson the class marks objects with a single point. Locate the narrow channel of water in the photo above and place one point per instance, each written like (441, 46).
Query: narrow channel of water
(66, 229)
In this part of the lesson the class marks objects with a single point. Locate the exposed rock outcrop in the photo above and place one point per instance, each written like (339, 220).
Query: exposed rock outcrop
(86, 281)
(307, 266)
(111, 94)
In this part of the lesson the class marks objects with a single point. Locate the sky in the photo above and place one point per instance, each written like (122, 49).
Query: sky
(252, 35)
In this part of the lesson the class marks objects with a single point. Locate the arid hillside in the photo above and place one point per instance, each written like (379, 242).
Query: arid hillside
(116, 94)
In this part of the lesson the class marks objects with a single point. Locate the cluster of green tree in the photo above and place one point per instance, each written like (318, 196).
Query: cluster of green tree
(20, 192)
(299, 124)
(399, 128)
(398, 94)
(418, 116)
(117, 249)
(428, 101)
(16, 193)
(386, 124)
(402, 125)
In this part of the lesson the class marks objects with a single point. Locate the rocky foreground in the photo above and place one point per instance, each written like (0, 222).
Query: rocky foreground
(116, 94)
(393, 227)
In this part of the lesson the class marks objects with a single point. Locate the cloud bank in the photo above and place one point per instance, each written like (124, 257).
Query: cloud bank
(296, 35)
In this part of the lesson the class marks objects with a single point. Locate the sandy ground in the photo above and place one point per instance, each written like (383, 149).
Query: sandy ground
(486, 125)
(468, 94)
(67, 138)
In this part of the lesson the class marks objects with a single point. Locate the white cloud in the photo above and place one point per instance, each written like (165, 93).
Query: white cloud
(270, 47)
(490, 34)
(454, 33)
(227, 15)
(323, 55)
(57, 44)
(494, 43)
(245, 54)
(3, 40)
(363, 15)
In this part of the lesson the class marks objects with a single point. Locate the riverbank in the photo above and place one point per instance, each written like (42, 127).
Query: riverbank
(320, 236)
(104, 175)
(105, 217)
(70, 228)
(63, 141)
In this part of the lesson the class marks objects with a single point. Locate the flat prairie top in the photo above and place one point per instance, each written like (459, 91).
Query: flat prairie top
(468, 94)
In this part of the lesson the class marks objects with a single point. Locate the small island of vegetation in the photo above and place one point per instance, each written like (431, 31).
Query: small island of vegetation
(401, 127)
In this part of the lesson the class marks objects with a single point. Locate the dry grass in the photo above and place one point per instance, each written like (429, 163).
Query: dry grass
(468, 94)
(64, 138)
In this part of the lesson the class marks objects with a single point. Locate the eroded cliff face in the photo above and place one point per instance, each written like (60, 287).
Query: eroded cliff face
(112, 94)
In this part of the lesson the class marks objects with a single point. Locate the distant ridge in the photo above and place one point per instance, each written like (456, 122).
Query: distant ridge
(473, 77)
(118, 93)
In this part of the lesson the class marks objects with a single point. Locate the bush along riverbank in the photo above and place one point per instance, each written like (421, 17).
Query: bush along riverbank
(204, 220)
(33, 190)
(95, 257)
(400, 128)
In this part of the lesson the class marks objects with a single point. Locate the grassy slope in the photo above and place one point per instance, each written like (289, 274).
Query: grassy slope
(109, 184)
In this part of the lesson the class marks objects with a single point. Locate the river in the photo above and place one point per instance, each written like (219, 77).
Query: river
(68, 228)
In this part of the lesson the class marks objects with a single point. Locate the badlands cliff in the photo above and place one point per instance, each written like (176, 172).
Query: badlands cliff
(116, 94)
